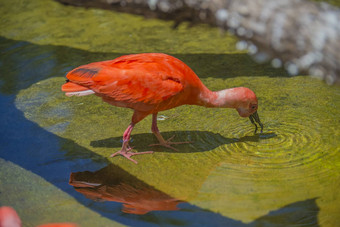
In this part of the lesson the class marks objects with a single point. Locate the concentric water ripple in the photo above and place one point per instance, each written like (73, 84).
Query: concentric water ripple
(290, 142)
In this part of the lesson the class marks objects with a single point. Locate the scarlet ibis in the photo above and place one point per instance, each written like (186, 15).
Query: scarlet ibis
(152, 82)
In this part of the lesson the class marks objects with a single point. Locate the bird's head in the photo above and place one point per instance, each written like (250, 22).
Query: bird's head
(247, 105)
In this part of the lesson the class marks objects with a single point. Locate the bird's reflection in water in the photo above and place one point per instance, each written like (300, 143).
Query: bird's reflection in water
(114, 184)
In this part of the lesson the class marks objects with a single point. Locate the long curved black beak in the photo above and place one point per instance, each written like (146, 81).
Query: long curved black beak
(254, 118)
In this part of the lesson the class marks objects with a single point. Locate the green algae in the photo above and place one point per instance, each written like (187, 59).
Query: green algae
(49, 22)
(331, 2)
(227, 169)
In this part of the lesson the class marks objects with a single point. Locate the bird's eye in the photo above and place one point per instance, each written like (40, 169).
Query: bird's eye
(253, 106)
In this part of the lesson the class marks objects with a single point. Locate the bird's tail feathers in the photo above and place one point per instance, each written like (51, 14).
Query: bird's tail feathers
(72, 89)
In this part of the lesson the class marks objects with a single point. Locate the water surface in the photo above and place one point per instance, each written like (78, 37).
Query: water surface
(54, 163)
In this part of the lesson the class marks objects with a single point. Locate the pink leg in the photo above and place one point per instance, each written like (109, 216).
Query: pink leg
(125, 151)
(162, 142)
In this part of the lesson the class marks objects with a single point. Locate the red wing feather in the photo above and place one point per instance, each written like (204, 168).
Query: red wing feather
(149, 78)
(83, 75)
(133, 88)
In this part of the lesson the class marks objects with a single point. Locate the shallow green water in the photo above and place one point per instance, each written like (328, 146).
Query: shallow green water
(289, 175)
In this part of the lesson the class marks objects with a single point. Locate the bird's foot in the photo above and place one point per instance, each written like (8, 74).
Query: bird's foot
(126, 152)
(167, 143)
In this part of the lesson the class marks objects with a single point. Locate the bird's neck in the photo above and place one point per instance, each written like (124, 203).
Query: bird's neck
(226, 98)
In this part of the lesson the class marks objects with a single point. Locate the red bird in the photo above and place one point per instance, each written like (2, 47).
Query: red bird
(152, 82)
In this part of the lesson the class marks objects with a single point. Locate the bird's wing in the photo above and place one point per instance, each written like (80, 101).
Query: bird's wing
(131, 82)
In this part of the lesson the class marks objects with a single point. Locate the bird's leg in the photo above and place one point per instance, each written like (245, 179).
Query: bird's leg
(162, 142)
(125, 151)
